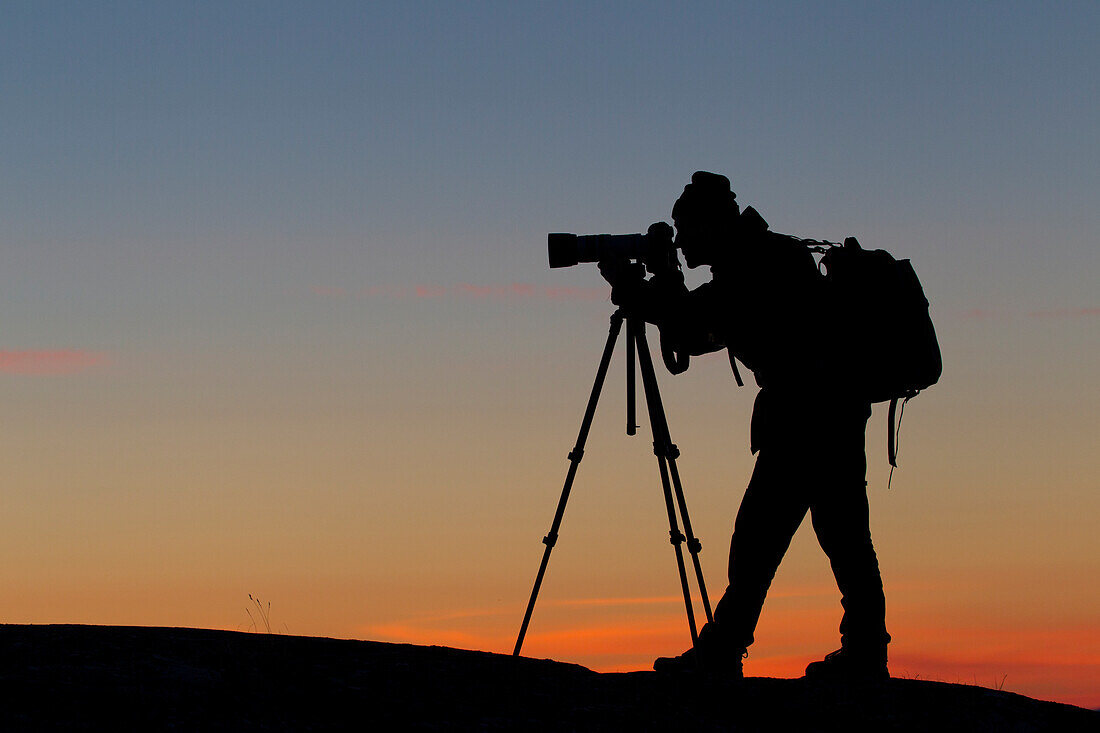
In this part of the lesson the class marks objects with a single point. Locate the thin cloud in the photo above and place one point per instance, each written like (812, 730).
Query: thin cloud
(467, 628)
(981, 314)
(406, 634)
(613, 602)
(465, 291)
(50, 362)
(430, 291)
(1066, 313)
(985, 314)
(564, 642)
(1052, 663)
(577, 293)
(517, 609)
(676, 601)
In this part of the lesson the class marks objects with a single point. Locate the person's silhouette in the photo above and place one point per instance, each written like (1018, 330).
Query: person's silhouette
(764, 304)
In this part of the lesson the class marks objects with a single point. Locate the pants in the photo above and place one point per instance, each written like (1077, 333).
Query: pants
(811, 459)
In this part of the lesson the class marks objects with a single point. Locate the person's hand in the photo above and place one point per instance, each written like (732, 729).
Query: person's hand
(627, 281)
(668, 281)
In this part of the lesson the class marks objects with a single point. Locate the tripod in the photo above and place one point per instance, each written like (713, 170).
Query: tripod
(663, 448)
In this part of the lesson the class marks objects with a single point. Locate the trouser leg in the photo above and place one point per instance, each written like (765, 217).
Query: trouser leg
(840, 517)
(771, 510)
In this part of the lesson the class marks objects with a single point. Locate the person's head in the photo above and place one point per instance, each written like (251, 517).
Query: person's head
(706, 218)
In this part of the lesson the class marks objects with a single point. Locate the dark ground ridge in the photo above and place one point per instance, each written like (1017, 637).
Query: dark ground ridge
(87, 677)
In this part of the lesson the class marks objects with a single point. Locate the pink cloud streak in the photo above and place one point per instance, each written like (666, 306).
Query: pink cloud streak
(48, 362)
(1066, 313)
(467, 291)
(986, 314)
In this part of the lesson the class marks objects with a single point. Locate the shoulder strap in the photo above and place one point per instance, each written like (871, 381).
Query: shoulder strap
(891, 445)
(893, 434)
(733, 366)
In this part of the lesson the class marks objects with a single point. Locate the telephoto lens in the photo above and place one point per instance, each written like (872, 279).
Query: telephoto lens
(566, 250)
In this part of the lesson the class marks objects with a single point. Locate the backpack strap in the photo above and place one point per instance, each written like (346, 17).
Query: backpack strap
(891, 444)
(893, 435)
(733, 366)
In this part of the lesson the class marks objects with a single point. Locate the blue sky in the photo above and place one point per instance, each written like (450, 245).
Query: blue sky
(428, 132)
(179, 171)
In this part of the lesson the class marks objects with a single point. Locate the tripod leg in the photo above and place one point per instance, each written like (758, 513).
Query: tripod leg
(653, 403)
(693, 543)
(574, 460)
(668, 452)
(677, 538)
(631, 423)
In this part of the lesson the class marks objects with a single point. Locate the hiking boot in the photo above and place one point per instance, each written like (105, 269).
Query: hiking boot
(847, 664)
(711, 655)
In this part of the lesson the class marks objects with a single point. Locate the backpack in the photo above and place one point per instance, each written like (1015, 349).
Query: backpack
(881, 334)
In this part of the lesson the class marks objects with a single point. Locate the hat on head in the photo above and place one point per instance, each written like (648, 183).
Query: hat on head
(707, 199)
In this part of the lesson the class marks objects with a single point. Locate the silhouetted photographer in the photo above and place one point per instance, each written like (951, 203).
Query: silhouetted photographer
(810, 341)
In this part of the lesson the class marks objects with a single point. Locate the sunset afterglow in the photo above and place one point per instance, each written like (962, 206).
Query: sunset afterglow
(277, 318)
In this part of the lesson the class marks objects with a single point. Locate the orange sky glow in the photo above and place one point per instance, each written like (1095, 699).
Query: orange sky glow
(1063, 663)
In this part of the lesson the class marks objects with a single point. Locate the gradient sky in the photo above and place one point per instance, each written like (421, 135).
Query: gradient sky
(276, 316)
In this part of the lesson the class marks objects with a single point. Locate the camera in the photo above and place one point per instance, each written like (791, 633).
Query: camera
(654, 248)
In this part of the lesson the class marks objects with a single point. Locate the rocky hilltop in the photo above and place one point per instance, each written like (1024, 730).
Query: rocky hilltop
(92, 677)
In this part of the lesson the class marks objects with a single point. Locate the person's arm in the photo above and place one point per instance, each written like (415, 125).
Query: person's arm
(690, 320)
